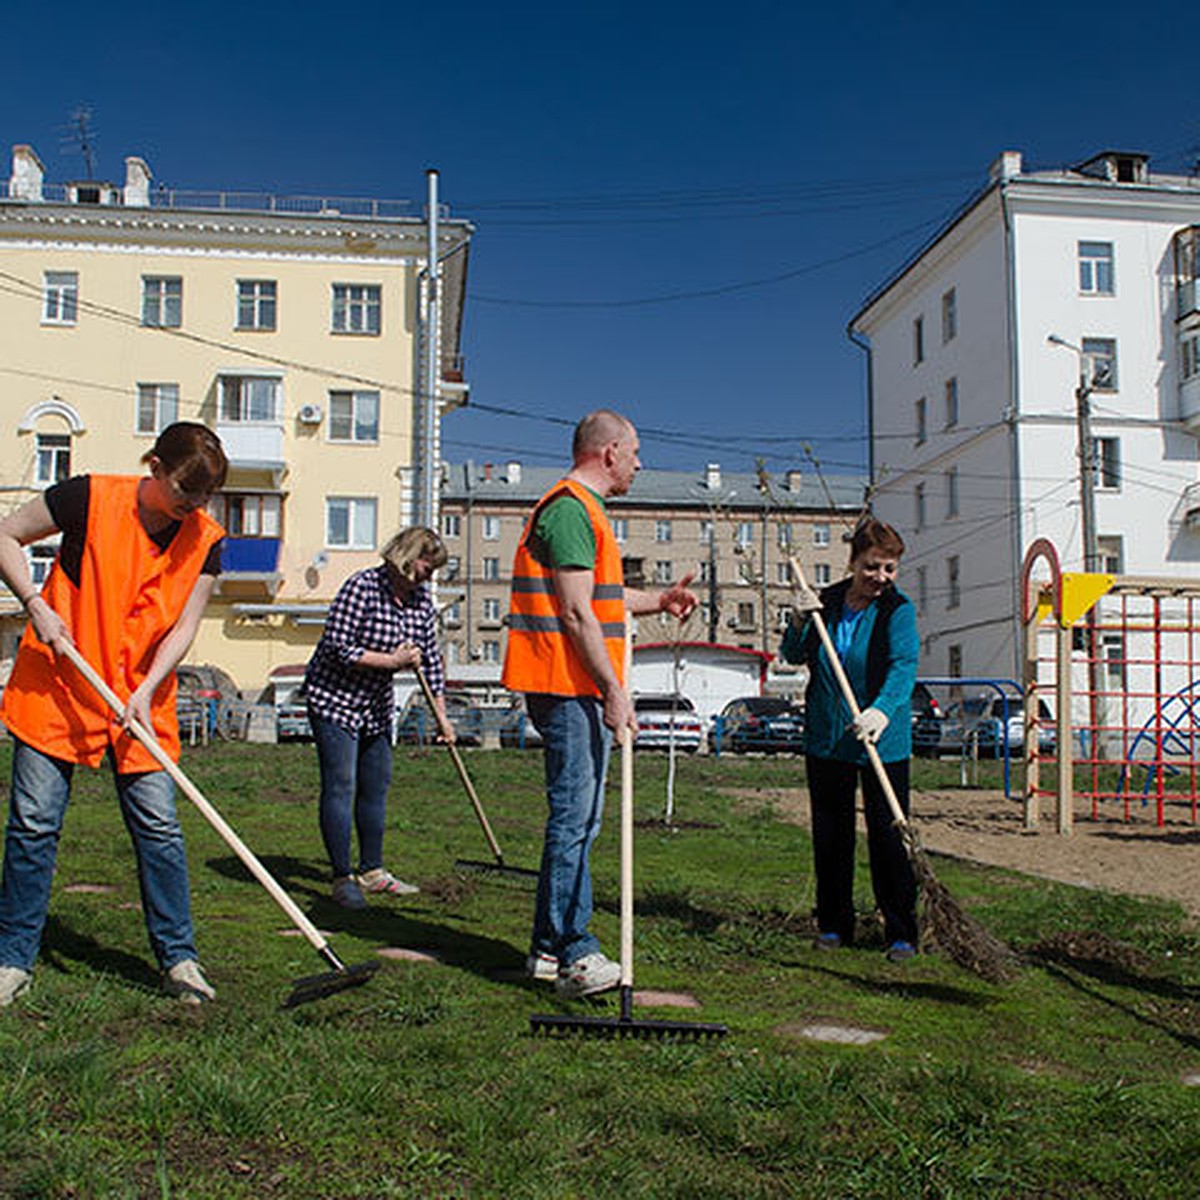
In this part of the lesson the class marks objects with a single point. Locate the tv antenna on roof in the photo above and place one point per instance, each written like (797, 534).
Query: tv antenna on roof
(82, 138)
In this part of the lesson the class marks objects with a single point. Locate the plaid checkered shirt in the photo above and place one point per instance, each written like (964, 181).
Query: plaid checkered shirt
(366, 615)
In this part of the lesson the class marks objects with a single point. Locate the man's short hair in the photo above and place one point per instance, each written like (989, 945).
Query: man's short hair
(596, 430)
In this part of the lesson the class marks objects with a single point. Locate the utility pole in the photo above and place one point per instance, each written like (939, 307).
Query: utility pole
(1087, 454)
(427, 420)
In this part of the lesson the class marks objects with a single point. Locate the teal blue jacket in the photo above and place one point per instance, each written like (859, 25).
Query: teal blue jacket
(881, 664)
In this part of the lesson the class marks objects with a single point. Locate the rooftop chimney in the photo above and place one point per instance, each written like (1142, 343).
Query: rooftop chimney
(712, 477)
(27, 174)
(487, 472)
(795, 480)
(512, 471)
(137, 183)
(1006, 167)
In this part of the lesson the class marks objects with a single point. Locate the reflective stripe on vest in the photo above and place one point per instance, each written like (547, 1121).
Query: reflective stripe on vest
(130, 595)
(540, 657)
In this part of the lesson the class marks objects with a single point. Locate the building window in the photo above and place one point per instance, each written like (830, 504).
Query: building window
(1112, 649)
(706, 571)
(919, 506)
(919, 422)
(491, 529)
(61, 298)
(491, 651)
(745, 615)
(1110, 549)
(918, 341)
(820, 535)
(1189, 350)
(256, 303)
(357, 308)
(41, 559)
(1106, 463)
(157, 406)
(451, 569)
(354, 417)
(706, 533)
(162, 301)
(783, 573)
(744, 535)
(451, 525)
(452, 613)
(951, 403)
(53, 458)
(1100, 363)
(250, 398)
(620, 527)
(822, 574)
(952, 492)
(953, 584)
(633, 570)
(662, 531)
(350, 523)
(491, 569)
(949, 315)
(249, 515)
(783, 537)
(1096, 274)
(491, 610)
(922, 589)
(662, 570)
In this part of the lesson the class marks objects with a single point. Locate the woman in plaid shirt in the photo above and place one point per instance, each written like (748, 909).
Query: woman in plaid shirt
(381, 621)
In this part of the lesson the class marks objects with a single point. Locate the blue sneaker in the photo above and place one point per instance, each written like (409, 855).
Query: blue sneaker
(901, 952)
(828, 941)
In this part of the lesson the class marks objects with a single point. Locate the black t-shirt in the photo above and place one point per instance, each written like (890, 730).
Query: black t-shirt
(68, 504)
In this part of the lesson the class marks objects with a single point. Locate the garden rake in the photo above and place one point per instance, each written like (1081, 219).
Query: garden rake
(959, 935)
(499, 867)
(310, 987)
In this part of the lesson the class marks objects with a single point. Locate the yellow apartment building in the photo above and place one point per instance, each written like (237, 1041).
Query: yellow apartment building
(299, 329)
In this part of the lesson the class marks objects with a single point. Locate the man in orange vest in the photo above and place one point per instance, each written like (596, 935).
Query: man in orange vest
(566, 652)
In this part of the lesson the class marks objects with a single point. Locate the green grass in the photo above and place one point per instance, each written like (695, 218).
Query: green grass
(428, 1083)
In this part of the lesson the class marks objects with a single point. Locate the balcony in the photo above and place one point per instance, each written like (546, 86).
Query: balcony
(250, 564)
(253, 445)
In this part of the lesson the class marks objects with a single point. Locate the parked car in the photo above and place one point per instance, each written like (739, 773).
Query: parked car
(516, 728)
(283, 694)
(926, 723)
(416, 724)
(664, 719)
(978, 722)
(766, 723)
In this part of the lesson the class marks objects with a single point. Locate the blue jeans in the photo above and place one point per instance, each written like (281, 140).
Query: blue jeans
(355, 775)
(41, 787)
(576, 745)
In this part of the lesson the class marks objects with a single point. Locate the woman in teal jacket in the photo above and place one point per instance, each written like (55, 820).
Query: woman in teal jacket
(874, 630)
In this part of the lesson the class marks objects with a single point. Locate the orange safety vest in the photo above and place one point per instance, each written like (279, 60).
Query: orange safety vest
(130, 595)
(540, 657)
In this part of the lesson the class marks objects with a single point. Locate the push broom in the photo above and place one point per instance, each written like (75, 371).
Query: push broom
(310, 987)
(498, 867)
(963, 939)
(626, 1025)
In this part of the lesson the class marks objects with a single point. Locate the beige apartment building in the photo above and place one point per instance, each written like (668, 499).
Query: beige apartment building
(734, 530)
(299, 329)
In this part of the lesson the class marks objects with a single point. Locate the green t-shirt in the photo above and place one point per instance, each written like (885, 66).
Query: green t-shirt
(563, 536)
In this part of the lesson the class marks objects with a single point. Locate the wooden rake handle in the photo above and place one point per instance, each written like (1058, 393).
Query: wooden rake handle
(460, 767)
(625, 735)
(210, 814)
(851, 702)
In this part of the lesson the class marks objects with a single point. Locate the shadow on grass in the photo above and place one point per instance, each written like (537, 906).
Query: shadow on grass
(385, 922)
(62, 942)
(908, 987)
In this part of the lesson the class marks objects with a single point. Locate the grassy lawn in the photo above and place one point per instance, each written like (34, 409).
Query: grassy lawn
(1069, 1081)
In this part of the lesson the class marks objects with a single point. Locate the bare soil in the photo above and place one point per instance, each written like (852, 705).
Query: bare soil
(1134, 857)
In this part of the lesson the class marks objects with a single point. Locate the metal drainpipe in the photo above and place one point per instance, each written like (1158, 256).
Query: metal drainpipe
(1014, 359)
(429, 416)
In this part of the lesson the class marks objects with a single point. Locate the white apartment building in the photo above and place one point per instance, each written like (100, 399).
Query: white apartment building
(974, 419)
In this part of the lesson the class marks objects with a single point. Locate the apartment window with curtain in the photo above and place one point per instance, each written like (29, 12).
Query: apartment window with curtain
(354, 417)
(491, 569)
(247, 399)
(53, 458)
(249, 514)
(820, 534)
(157, 407)
(1100, 363)
(662, 570)
(162, 301)
(350, 522)
(491, 610)
(662, 531)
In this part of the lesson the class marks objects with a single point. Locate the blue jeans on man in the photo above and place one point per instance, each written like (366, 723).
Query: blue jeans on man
(356, 772)
(41, 787)
(576, 750)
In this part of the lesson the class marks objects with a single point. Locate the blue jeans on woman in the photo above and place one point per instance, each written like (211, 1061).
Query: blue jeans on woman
(41, 788)
(576, 746)
(355, 775)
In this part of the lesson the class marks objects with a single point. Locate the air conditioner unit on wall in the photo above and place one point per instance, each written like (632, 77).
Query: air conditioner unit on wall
(310, 414)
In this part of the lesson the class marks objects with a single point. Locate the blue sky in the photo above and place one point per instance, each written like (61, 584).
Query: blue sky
(678, 207)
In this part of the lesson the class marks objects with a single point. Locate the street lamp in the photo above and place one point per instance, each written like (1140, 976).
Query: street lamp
(1087, 448)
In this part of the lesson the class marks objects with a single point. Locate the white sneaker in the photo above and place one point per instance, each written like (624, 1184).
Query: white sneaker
(185, 982)
(13, 981)
(381, 882)
(541, 967)
(586, 976)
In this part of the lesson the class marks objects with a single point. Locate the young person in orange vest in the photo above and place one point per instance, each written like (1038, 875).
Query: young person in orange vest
(136, 566)
(566, 652)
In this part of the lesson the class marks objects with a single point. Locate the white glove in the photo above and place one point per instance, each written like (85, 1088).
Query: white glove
(804, 599)
(869, 725)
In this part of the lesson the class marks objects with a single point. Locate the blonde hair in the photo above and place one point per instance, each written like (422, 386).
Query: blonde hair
(410, 544)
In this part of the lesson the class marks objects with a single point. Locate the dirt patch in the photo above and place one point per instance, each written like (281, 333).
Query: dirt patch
(1135, 857)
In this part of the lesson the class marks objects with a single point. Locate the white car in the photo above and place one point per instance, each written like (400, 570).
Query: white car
(663, 719)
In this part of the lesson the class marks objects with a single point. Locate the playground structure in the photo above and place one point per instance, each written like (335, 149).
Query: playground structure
(1121, 656)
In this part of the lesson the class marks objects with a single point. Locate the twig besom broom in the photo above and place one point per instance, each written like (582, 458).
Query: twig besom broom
(499, 867)
(310, 987)
(626, 1025)
(963, 939)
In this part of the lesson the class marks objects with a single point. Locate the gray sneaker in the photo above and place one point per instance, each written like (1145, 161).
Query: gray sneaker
(347, 893)
(541, 967)
(13, 981)
(586, 976)
(185, 982)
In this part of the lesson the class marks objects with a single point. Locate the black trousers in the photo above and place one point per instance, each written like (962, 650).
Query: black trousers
(831, 789)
